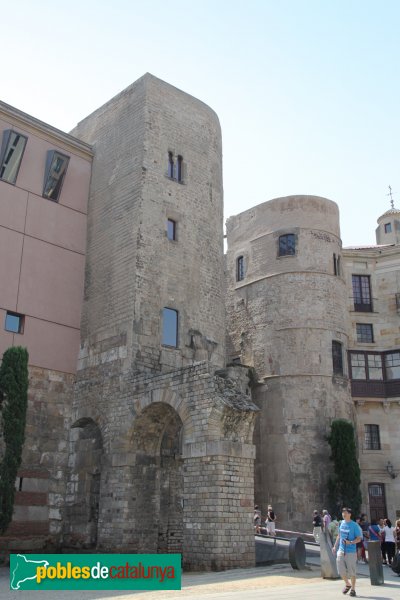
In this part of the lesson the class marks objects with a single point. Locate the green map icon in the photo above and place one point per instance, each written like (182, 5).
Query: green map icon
(24, 569)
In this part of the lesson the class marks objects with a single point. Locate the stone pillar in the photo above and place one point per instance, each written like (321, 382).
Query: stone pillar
(218, 505)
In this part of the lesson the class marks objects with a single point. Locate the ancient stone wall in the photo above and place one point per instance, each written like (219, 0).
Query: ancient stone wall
(283, 316)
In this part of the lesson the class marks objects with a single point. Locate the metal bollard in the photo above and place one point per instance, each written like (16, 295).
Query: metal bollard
(375, 563)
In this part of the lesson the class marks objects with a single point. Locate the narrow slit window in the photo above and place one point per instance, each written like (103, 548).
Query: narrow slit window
(171, 229)
(171, 165)
(56, 167)
(337, 358)
(170, 327)
(240, 268)
(13, 147)
(179, 175)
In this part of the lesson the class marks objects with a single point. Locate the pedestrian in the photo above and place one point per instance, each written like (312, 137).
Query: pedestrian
(397, 535)
(326, 519)
(333, 529)
(317, 526)
(257, 519)
(349, 535)
(270, 521)
(389, 545)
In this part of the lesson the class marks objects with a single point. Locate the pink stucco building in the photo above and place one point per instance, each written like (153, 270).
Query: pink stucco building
(44, 185)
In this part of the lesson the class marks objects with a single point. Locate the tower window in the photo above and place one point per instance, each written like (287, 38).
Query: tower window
(12, 149)
(171, 229)
(337, 358)
(170, 327)
(175, 171)
(365, 333)
(336, 265)
(372, 439)
(362, 293)
(240, 268)
(56, 167)
(388, 228)
(287, 244)
(14, 322)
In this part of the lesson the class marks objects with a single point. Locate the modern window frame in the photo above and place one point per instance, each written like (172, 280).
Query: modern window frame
(287, 244)
(6, 147)
(170, 329)
(365, 333)
(21, 322)
(372, 438)
(337, 358)
(362, 295)
(53, 193)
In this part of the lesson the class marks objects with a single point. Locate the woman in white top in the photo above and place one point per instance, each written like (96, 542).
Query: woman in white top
(389, 546)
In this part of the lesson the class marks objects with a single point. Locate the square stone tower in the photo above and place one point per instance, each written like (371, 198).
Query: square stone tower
(161, 454)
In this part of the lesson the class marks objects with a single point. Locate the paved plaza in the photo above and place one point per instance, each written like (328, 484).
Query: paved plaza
(273, 582)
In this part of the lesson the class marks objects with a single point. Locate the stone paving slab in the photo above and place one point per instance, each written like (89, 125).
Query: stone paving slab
(274, 582)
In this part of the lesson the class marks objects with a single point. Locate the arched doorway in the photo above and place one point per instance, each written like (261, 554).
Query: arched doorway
(83, 485)
(158, 478)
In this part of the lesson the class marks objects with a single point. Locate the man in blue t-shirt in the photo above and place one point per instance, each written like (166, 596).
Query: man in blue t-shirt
(349, 535)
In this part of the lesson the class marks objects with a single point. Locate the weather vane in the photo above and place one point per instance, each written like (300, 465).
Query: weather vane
(391, 196)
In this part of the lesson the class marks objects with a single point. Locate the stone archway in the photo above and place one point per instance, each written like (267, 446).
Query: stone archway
(83, 485)
(158, 478)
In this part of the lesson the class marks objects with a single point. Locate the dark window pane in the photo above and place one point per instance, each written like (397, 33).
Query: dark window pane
(14, 322)
(170, 165)
(337, 358)
(240, 268)
(287, 245)
(392, 364)
(365, 333)
(170, 327)
(179, 169)
(371, 437)
(55, 171)
(13, 149)
(362, 293)
(388, 227)
(171, 229)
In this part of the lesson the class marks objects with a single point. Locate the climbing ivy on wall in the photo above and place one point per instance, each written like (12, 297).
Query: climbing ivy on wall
(13, 404)
(344, 485)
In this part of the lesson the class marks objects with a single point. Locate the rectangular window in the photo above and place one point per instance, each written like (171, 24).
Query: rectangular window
(12, 149)
(56, 167)
(179, 168)
(365, 333)
(170, 327)
(171, 169)
(337, 358)
(358, 369)
(371, 437)
(375, 371)
(392, 364)
(171, 229)
(388, 228)
(287, 244)
(240, 268)
(362, 293)
(14, 322)
(336, 265)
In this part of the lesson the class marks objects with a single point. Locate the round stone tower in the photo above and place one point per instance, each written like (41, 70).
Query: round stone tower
(287, 318)
(388, 230)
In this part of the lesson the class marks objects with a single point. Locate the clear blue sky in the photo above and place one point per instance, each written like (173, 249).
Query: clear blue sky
(307, 91)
